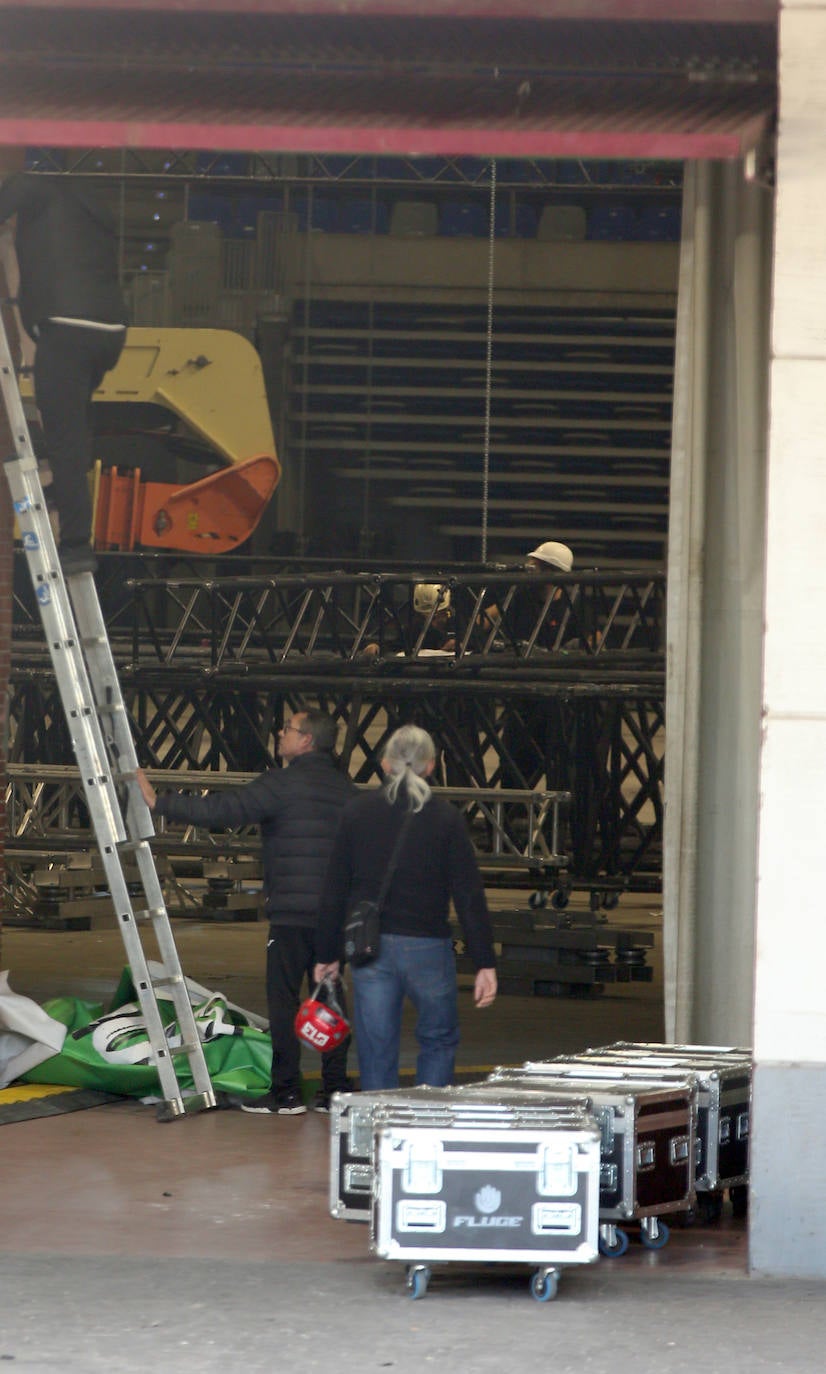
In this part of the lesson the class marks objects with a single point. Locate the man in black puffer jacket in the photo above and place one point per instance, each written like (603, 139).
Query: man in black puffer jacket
(298, 809)
(71, 305)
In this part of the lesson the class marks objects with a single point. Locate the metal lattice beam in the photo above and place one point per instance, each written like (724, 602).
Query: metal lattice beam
(561, 690)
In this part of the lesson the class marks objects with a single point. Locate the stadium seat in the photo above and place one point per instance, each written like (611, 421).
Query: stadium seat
(658, 223)
(611, 223)
(415, 218)
(561, 223)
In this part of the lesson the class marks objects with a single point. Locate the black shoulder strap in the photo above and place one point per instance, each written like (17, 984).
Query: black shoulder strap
(393, 861)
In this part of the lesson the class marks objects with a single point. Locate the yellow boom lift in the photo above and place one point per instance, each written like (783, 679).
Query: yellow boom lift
(180, 401)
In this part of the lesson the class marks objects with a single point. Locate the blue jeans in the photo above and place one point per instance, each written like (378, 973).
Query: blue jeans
(423, 969)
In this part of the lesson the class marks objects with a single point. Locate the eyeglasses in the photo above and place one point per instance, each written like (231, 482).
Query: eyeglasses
(285, 728)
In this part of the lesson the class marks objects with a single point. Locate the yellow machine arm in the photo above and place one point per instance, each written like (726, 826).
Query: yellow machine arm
(210, 378)
(203, 391)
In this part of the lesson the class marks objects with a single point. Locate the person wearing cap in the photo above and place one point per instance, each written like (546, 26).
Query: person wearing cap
(551, 554)
(529, 602)
(430, 627)
(534, 741)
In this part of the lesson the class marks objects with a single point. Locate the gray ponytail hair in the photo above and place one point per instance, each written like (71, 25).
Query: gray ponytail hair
(407, 754)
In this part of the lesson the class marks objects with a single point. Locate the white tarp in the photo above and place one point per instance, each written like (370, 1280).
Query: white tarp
(28, 1035)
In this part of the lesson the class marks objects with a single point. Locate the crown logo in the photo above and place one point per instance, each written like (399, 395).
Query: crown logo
(488, 1199)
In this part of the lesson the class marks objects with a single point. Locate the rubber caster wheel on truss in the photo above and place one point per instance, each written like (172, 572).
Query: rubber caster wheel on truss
(537, 900)
(559, 899)
(544, 1285)
(739, 1198)
(418, 1277)
(612, 1241)
(610, 901)
(654, 1233)
(708, 1208)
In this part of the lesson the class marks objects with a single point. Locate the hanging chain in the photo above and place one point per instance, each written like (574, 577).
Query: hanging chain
(488, 363)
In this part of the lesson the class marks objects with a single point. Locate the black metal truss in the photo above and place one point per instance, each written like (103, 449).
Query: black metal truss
(501, 622)
(49, 843)
(208, 670)
(240, 171)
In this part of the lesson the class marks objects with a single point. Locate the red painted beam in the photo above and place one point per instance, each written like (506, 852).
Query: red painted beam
(669, 144)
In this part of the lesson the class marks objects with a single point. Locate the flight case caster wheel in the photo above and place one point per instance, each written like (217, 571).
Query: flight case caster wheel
(544, 1284)
(418, 1277)
(612, 1241)
(654, 1233)
(537, 900)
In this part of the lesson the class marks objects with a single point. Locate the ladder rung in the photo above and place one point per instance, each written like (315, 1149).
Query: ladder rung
(149, 913)
(177, 1050)
(132, 846)
(168, 980)
(111, 708)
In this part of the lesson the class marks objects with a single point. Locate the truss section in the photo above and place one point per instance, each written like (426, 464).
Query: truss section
(555, 685)
(48, 847)
(498, 622)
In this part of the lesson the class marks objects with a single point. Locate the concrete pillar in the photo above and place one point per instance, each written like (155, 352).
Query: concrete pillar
(788, 1205)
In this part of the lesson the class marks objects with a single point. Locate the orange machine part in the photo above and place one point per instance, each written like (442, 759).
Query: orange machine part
(213, 515)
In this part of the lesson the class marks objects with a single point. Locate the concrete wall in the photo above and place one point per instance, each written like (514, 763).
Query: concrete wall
(525, 271)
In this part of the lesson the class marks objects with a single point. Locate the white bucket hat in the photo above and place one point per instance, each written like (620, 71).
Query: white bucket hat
(558, 555)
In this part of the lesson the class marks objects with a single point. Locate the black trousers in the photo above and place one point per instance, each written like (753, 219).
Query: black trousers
(290, 958)
(69, 364)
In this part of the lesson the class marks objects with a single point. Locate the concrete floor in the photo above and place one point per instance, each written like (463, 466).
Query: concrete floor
(207, 1244)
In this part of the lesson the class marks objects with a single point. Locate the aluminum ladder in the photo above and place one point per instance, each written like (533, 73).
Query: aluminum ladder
(105, 753)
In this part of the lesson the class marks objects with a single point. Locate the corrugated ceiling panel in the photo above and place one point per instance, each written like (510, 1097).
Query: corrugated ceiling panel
(704, 11)
(372, 85)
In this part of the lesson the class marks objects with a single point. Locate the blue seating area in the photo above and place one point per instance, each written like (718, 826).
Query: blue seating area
(612, 223)
(515, 220)
(363, 216)
(463, 219)
(340, 211)
(658, 223)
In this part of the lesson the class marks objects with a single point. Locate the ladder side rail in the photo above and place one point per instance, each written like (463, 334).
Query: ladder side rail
(80, 703)
(124, 761)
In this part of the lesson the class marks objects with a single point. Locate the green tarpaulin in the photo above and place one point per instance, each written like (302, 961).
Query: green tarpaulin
(110, 1051)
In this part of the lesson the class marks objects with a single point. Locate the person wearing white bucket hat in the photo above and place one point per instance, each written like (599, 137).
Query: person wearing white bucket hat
(552, 554)
(526, 609)
(534, 736)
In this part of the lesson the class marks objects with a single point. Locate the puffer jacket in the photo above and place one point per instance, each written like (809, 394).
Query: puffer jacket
(66, 251)
(298, 809)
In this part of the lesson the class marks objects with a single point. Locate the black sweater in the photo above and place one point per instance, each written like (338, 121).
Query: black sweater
(66, 251)
(298, 809)
(436, 863)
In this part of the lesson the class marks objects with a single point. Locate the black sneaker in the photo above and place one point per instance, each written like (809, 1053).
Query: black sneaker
(321, 1101)
(276, 1104)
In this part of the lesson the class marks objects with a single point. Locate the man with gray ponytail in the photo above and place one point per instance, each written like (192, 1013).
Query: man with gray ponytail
(434, 864)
